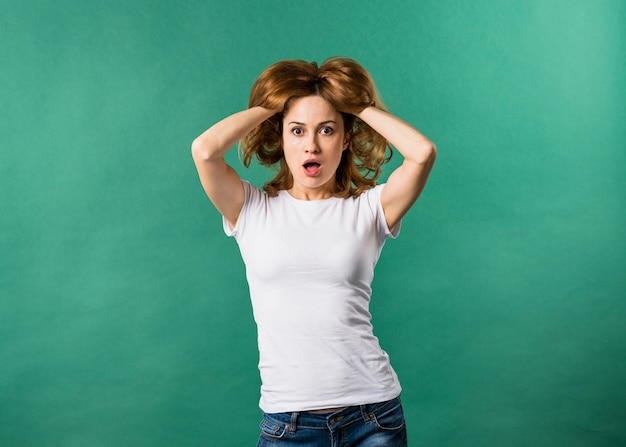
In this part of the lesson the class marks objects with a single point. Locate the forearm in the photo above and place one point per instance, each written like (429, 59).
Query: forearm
(410, 142)
(215, 142)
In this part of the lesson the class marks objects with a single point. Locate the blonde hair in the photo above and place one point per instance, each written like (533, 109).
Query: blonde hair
(349, 88)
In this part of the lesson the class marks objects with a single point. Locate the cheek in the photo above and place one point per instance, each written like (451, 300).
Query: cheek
(290, 156)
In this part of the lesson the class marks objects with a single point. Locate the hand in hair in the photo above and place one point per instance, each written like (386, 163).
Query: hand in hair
(274, 101)
(347, 95)
(348, 85)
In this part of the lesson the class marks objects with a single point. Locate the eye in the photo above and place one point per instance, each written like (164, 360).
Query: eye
(297, 131)
(326, 130)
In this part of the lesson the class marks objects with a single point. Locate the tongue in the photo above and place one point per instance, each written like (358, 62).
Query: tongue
(311, 169)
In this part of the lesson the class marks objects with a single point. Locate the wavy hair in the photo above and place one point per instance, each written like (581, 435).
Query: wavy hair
(349, 88)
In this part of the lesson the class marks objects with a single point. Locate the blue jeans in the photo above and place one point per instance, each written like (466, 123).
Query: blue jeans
(380, 425)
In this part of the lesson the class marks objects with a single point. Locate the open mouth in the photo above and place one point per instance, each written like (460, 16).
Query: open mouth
(312, 168)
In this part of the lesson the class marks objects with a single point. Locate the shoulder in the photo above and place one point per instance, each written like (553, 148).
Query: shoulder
(372, 199)
(254, 200)
(253, 194)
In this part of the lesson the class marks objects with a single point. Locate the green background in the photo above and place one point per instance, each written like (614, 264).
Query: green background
(124, 315)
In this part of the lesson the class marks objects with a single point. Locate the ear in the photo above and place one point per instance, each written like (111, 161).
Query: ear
(346, 140)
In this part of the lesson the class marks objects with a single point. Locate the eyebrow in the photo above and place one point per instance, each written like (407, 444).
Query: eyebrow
(319, 124)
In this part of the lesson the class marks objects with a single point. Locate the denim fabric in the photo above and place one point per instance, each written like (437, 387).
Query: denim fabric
(375, 425)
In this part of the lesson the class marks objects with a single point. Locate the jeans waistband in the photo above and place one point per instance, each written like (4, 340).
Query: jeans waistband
(333, 419)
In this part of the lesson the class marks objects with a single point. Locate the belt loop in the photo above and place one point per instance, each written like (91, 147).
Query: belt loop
(365, 414)
(294, 423)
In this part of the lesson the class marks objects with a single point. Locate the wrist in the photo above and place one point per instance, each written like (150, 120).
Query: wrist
(365, 110)
(270, 111)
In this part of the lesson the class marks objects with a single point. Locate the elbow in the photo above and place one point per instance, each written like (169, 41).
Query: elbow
(200, 150)
(432, 152)
(427, 153)
(196, 148)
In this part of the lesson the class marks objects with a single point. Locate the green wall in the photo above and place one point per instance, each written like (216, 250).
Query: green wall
(124, 316)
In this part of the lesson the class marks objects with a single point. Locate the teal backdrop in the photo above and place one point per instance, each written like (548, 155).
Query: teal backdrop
(124, 312)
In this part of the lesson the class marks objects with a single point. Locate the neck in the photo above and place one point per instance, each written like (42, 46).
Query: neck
(309, 193)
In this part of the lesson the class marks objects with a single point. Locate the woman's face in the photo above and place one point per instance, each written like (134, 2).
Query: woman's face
(313, 141)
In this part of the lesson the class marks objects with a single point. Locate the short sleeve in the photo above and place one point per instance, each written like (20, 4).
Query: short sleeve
(253, 198)
(373, 197)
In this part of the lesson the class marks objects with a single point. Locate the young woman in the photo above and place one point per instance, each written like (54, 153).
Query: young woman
(310, 242)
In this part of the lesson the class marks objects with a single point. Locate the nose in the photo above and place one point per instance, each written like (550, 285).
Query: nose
(311, 146)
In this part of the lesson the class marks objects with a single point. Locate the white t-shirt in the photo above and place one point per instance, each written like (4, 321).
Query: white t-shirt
(310, 266)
